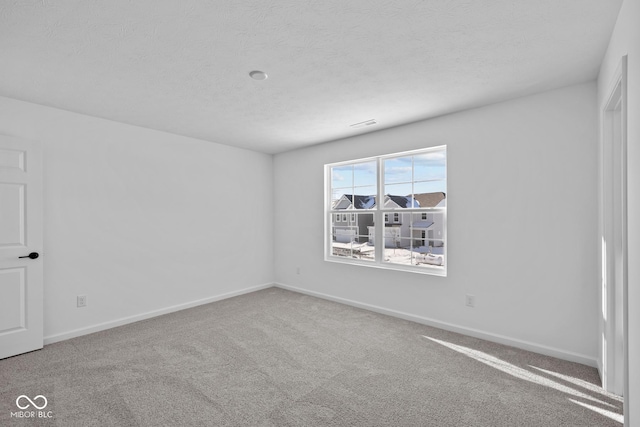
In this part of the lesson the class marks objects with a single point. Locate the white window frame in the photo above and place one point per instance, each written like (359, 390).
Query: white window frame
(381, 216)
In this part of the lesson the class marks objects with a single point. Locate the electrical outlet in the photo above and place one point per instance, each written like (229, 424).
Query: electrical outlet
(82, 300)
(470, 300)
(298, 270)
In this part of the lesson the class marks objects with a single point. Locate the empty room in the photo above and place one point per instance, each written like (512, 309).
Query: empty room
(297, 213)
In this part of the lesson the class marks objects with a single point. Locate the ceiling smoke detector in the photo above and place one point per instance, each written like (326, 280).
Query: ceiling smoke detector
(363, 124)
(258, 75)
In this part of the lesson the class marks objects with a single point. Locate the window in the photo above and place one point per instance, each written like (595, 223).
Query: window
(406, 193)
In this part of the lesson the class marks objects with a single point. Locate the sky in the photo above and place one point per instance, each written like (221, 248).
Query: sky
(404, 175)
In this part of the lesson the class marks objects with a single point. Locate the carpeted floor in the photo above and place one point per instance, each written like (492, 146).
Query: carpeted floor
(279, 358)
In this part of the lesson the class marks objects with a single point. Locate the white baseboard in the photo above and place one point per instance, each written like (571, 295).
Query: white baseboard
(513, 342)
(142, 316)
(500, 339)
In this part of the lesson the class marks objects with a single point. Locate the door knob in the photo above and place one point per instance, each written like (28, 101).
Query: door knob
(32, 255)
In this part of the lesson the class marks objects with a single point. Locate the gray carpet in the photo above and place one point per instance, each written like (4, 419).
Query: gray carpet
(279, 358)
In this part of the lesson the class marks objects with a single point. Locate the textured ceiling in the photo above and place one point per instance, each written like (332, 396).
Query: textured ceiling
(182, 66)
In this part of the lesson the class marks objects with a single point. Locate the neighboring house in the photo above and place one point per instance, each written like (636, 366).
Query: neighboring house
(397, 223)
(349, 226)
(425, 230)
(428, 228)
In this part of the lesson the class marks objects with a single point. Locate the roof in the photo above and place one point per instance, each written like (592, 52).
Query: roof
(362, 202)
(430, 200)
(356, 201)
(404, 201)
(422, 224)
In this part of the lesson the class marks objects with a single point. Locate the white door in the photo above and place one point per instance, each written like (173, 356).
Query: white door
(21, 284)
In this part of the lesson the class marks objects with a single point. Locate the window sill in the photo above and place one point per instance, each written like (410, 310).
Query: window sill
(434, 270)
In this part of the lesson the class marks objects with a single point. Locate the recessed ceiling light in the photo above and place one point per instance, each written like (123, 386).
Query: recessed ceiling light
(258, 75)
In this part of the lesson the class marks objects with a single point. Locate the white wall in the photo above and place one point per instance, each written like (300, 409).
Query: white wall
(626, 41)
(522, 174)
(141, 221)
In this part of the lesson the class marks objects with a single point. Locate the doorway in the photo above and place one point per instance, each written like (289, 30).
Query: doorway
(21, 267)
(613, 235)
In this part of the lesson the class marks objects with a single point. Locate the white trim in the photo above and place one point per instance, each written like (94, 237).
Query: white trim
(381, 211)
(599, 368)
(500, 339)
(136, 318)
(433, 270)
(608, 359)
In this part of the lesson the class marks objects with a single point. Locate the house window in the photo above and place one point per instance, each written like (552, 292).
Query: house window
(410, 186)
